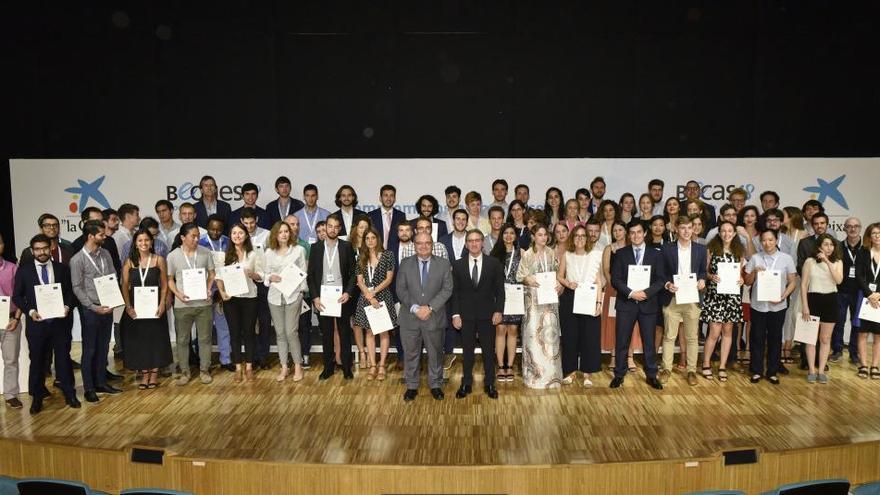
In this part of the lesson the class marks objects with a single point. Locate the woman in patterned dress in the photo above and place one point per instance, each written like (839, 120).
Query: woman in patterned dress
(375, 272)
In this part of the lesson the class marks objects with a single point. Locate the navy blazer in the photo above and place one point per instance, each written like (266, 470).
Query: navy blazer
(441, 228)
(23, 294)
(447, 242)
(274, 214)
(223, 209)
(670, 265)
(262, 218)
(354, 214)
(620, 270)
(397, 216)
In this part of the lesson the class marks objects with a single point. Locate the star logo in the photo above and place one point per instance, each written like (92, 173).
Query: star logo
(829, 190)
(85, 192)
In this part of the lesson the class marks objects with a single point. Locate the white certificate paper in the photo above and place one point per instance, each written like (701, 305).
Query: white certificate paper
(5, 306)
(330, 295)
(108, 291)
(304, 308)
(514, 302)
(50, 301)
(146, 302)
(729, 274)
(866, 312)
(195, 284)
(585, 297)
(546, 288)
(291, 279)
(638, 277)
(687, 288)
(379, 318)
(234, 280)
(806, 331)
(769, 285)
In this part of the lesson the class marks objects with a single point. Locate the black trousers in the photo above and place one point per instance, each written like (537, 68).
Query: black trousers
(623, 330)
(345, 335)
(470, 330)
(305, 332)
(44, 339)
(581, 338)
(765, 341)
(241, 316)
(261, 350)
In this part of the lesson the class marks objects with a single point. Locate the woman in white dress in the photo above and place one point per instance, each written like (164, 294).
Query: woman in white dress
(541, 360)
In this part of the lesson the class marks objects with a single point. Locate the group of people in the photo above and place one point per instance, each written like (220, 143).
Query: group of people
(568, 281)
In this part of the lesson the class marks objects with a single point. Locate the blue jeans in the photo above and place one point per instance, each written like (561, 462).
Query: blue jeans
(846, 300)
(96, 330)
(222, 329)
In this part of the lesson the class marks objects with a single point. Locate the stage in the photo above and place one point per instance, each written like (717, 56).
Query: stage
(341, 436)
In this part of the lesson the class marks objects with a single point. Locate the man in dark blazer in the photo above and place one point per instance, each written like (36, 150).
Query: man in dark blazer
(459, 231)
(45, 335)
(209, 204)
(332, 262)
(249, 194)
(386, 217)
(347, 200)
(674, 313)
(636, 305)
(278, 209)
(424, 285)
(477, 304)
(427, 207)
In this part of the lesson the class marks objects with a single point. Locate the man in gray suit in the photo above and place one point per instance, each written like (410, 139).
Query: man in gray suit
(424, 284)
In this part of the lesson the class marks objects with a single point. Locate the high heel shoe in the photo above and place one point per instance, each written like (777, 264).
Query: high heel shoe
(237, 377)
(381, 375)
(371, 373)
(249, 374)
(362, 360)
(297, 374)
(282, 375)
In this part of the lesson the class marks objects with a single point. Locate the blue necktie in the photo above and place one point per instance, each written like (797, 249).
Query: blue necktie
(424, 273)
(638, 256)
(45, 273)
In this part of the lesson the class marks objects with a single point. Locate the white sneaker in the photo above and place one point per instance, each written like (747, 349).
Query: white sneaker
(588, 383)
(568, 380)
(205, 378)
(183, 380)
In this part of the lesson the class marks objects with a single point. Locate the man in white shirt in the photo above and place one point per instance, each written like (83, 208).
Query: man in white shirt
(310, 214)
(455, 240)
(499, 194)
(655, 189)
(129, 218)
(168, 228)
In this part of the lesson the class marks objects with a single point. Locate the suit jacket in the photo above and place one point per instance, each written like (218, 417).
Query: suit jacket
(354, 214)
(447, 243)
(436, 292)
(670, 266)
(620, 271)
(864, 274)
(472, 303)
(262, 218)
(274, 214)
(347, 266)
(24, 296)
(397, 216)
(67, 252)
(441, 227)
(223, 209)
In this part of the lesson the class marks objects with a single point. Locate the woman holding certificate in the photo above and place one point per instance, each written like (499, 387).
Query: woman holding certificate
(541, 363)
(375, 272)
(285, 275)
(821, 274)
(868, 277)
(362, 224)
(144, 326)
(580, 307)
(235, 281)
(722, 306)
(509, 254)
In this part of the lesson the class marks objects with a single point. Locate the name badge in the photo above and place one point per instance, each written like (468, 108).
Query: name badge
(312, 240)
(873, 287)
(852, 272)
(329, 278)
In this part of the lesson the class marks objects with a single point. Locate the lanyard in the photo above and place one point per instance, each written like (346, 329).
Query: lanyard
(370, 270)
(59, 255)
(311, 225)
(283, 212)
(143, 273)
(214, 248)
(510, 264)
(331, 258)
(544, 255)
(186, 258)
(851, 256)
(89, 257)
(875, 267)
(770, 267)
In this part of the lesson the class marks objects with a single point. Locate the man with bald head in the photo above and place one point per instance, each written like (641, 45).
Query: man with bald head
(848, 292)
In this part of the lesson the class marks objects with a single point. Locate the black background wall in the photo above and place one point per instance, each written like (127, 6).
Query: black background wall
(418, 78)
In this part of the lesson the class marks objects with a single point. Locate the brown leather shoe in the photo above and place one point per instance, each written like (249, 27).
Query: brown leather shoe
(14, 403)
(692, 378)
(663, 376)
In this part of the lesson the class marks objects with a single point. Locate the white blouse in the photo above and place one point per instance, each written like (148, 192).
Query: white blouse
(275, 264)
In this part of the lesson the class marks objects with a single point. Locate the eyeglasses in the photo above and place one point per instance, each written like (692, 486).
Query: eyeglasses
(852, 226)
(50, 225)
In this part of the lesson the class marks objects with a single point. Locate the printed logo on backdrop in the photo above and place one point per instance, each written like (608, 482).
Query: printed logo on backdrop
(715, 192)
(190, 192)
(825, 190)
(83, 194)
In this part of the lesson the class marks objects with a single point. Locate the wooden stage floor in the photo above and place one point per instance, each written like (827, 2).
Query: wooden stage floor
(367, 423)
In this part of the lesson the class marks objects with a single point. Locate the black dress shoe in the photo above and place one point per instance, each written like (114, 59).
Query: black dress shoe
(72, 402)
(410, 394)
(56, 383)
(44, 392)
(654, 383)
(616, 382)
(107, 389)
(113, 376)
(347, 374)
(327, 373)
(36, 405)
(437, 393)
(491, 391)
(91, 396)
(463, 391)
(75, 365)
(783, 370)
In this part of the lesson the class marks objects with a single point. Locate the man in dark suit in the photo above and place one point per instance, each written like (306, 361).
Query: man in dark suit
(332, 263)
(427, 206)
(209, 204)
(636, 305)
(387, 216)
(249, 194)
(278, 209)
(683, 257)
(424, 284)
(692, 192)
(477, 304)
(454, 242)
(346, 200)
(45, 335)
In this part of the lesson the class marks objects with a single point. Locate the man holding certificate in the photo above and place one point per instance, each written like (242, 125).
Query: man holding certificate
(90, 269)
(42, 288)
(637, 275)
(773, 277)
(684, 264)
(331, 280)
